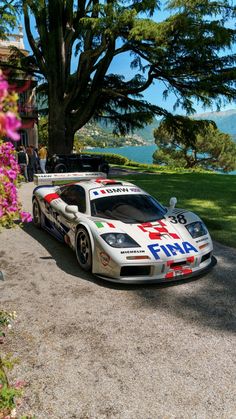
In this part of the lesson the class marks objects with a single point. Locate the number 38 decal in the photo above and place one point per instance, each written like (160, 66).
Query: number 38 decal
(180, 218)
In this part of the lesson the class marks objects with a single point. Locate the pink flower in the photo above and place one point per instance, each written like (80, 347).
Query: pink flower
(12, 124)
(20, 384)
(11, 174)
(25, 217)
(12, 208)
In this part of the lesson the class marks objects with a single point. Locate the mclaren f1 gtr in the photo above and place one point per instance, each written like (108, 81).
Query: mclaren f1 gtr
(120, 232)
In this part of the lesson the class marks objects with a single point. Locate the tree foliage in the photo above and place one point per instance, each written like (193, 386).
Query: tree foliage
(8, 16)
(77, 41)
(43, 130)
(190, 143)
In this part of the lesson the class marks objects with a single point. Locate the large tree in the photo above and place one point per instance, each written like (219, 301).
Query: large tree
(191, 143)
(76, 42)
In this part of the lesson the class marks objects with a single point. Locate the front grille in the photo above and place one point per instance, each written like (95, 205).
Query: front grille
(205, 257)
(181, 263)
(135, 270)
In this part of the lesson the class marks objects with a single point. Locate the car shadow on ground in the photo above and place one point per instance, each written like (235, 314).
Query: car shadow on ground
(209, 300)
(65, 259)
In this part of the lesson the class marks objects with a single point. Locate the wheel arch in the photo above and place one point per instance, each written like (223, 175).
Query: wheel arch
(35, 198)
(86, 226)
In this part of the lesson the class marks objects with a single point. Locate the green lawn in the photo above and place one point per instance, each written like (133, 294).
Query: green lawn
(211, 196)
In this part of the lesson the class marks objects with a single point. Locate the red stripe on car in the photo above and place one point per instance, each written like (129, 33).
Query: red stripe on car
(50, 197)
(169, 275)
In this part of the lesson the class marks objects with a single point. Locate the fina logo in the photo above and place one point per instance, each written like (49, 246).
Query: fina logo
(171, 249)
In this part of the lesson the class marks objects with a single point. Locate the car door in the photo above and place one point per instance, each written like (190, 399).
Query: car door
(71, 195)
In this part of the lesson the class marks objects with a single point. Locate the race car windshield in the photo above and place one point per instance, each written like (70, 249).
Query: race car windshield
(128, 208)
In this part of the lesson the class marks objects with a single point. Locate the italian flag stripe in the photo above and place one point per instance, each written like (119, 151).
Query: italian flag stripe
(99, 224)
(111, 225)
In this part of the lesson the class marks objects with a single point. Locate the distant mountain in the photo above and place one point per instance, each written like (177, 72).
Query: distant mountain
(145, 133)
(225, 120)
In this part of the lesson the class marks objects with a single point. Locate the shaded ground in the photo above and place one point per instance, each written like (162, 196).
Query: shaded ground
(90, 349)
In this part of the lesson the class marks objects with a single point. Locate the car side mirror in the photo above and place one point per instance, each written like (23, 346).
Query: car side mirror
(173, 202)
(72, 209)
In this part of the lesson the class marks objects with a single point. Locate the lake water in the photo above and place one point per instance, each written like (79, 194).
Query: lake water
(141, 154)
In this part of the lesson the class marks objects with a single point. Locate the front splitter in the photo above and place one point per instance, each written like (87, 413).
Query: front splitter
(199, 273)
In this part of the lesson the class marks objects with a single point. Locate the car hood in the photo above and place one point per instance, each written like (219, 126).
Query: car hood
(166, 237)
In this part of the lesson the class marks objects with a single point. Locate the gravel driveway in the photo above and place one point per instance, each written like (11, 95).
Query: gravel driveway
(92, 350)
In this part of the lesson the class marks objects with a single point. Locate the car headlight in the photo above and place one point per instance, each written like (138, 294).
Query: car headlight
(119, 240)
(197, 229)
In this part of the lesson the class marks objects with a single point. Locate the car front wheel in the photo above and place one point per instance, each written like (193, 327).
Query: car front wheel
(83, 249)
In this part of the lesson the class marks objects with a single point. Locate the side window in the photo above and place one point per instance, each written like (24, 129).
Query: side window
(74, 195)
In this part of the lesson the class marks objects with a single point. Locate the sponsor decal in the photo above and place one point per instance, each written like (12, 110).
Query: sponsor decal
(125, 252)
(100, 224)
(157, 230)
(171, 250)
(75, 176)
(105, 259)
(135, 190)
(202, 240)
(138, 257)
(117, 190)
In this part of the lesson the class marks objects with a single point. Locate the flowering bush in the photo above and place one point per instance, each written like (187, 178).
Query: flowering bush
(10, 208)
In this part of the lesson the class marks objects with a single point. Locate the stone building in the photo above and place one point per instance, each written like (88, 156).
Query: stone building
(25, 89)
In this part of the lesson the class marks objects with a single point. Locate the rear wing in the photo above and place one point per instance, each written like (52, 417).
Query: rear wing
(63, 178)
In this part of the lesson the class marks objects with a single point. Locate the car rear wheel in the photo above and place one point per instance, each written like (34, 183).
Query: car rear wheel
(60, 168)
(36, 214)
(83, 249)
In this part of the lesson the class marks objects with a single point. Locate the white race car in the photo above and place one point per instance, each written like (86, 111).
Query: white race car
(118, 231)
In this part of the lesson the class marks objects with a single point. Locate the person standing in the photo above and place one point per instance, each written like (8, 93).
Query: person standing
(32, 162)
(23, 161)
(35, 159)
(42, 153)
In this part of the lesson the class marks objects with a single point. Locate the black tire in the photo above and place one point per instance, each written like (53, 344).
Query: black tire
(83, 249)
(36, 214)
(60, 168)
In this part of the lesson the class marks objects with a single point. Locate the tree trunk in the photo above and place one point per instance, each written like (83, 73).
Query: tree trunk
(60, 136)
